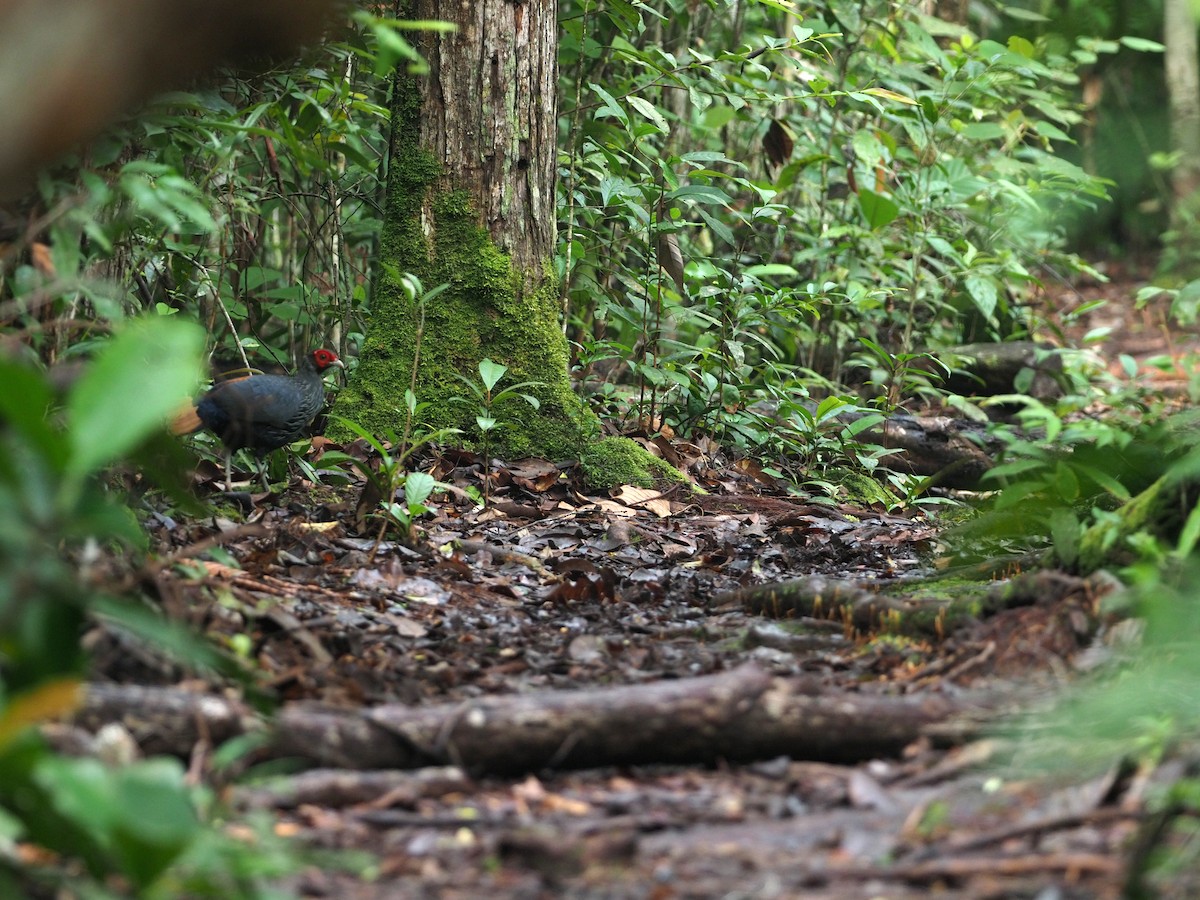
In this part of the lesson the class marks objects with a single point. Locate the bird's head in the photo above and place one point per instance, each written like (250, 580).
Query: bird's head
(323, 359)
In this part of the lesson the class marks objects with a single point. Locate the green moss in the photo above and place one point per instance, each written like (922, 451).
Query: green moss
(616, 461)
(1155, 510)
(862, 490)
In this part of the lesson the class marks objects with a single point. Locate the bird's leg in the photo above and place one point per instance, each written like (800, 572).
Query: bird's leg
(228, 471)
(262, 472)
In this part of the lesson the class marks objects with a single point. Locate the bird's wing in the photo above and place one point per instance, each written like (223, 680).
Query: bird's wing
(260, 400)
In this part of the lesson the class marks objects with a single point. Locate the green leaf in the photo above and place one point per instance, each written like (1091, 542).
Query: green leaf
(877, 209)
(770, 270)
(867, 147)
(1066, 482)
(983, 131)
(1023, 46)
(984, 293)
(701, 193)
(491, 372)
(1026, 15)
(1143, 45)
(136, 381)
(24, 406)
(155, 818)
(830, 406)
(610, 108)
(1189, 534)
(417, 488)
(929, 108)
(1186, 305)
(650, 111)
(1065, 532)
(718, 116)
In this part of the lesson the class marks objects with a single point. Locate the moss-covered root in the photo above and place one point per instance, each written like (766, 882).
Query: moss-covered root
(1157, 509)
(931, 614)
(615, 461)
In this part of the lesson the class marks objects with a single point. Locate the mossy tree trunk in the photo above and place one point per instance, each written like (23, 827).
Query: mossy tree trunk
(470, 205)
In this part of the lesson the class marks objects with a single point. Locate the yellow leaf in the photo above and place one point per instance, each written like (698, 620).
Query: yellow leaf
(890, 95)
(46, 701)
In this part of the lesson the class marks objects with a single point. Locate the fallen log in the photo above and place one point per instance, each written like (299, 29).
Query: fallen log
(741, 715)
(165, 720)
(990, 369)
(952, 452)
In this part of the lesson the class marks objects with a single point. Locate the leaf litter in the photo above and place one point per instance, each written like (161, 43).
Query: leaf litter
(551, 589)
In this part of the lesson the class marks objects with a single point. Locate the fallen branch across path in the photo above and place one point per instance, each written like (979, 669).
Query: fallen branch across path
(744, 714)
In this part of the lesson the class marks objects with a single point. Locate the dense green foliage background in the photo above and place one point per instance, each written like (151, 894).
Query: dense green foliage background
(770, 214)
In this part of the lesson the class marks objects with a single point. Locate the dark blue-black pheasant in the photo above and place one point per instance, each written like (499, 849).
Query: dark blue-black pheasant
(261, 412)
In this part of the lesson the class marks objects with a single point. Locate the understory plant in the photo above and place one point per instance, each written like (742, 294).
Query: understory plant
(120, 826)
(753, 201)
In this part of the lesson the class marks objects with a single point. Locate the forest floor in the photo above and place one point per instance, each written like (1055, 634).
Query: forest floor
(725, 745)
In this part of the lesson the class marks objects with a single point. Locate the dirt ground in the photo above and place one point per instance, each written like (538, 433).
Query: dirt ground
(679, 780)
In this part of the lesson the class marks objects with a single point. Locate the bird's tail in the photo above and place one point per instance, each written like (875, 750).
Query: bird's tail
(185, 421)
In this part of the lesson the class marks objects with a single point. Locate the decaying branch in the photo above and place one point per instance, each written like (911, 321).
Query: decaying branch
(745, 714)
(740, 715)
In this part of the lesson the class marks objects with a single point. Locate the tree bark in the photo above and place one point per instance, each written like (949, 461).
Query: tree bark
(471, 206)
(1183, 86)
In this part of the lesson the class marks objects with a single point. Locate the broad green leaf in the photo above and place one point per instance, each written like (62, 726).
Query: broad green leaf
(650, 111)
(25, 405)
(929, 108)
(136, 381)
(983, 131)
(610, 108)
(1145, 45)
(1066, 482)
(417, 487)
(829, 406)
(718, 116)
(769, 270)
(1186, 305)
(783, 6)
(1027, 15)
(701, 193)
(80, 790)
(156, 820)
(858, 426)
(1049, 130)
(1023, 46)
(867, 147)
(877, 209)
(491, 372)
(984, 294)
